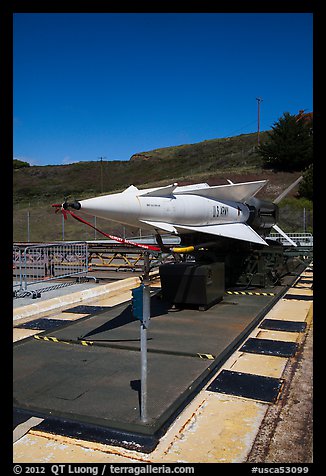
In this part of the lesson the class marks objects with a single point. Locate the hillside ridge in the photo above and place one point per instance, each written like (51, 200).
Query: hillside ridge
(213, 161)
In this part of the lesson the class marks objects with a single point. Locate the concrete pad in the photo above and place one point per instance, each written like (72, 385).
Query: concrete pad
(222, 431)
(303, 286)
(43, 449)
(61, 302)
(304, 281)
(69, 316)
(19, 334)
(266, 365)
(304, 291)
(114, 300)
(278, 335)
(290, 310)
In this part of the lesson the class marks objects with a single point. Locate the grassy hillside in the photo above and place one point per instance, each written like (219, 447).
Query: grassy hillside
(37, 187)
(224, 153)
(184, 162)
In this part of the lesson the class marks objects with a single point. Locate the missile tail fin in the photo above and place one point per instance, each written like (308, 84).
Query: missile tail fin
(238, 231)
(287, 190)
(281, 232)
(239, 192)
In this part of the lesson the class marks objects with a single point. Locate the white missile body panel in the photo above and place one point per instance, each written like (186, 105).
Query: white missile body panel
(217, 210)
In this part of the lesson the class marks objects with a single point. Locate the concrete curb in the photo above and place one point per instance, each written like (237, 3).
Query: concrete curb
(57, 303)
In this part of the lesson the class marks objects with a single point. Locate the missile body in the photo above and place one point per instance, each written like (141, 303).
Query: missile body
(231, 210)
(189, 210)
(219, 210)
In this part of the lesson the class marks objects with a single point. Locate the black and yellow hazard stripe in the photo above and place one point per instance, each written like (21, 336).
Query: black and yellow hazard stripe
(206, 356)
(88, 342)
(63, 341)
(250, 293)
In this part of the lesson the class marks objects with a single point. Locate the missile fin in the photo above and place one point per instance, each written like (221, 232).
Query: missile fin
(281, 232)
(239, 192)
(131, 189)
(238, 231)
(159, 192)
(191, 188)
(160, 225)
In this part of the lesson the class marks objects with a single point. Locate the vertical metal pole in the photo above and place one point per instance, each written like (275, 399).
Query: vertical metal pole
(143, 339)
(101, 175)
(95, 227)
(25, 269)
(28, 233)
(63, 228)
(20, 271)
(258, 128)
(143, 385)
(85, 246)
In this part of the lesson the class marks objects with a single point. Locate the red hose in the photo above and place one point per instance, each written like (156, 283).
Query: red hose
(112, 237)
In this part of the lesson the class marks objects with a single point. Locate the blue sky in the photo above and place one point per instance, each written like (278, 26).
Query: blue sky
(110, 85)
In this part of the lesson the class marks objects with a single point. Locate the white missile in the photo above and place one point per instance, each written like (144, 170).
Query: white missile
(223, 211)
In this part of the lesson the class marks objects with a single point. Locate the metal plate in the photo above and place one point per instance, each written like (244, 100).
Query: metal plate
(43, 324)
(257, 387)
(86, 309)
(305, 281)
(298, 297)
(280, 325)
(269, 347)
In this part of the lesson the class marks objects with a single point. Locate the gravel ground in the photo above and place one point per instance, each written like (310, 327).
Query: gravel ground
(286, 433)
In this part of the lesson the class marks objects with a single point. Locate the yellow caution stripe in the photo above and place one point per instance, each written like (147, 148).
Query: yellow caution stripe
(62, 341)
(206, 356)
(250, 293)
(52, 339)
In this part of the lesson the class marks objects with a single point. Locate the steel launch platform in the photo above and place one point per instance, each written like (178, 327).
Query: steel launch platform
(83, 378)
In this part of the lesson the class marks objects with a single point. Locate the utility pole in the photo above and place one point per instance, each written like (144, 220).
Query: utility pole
(259, 100)
(101, 159)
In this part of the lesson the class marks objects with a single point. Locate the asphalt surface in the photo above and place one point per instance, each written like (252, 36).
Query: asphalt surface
(97, 382)
(285, 433)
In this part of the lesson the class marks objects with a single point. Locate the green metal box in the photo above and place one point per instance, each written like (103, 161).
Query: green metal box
(193, 284)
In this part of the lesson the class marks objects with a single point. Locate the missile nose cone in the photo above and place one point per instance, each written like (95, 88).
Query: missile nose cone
(117, 207)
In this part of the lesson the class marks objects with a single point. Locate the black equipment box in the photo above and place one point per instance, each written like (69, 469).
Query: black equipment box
(191, 283)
